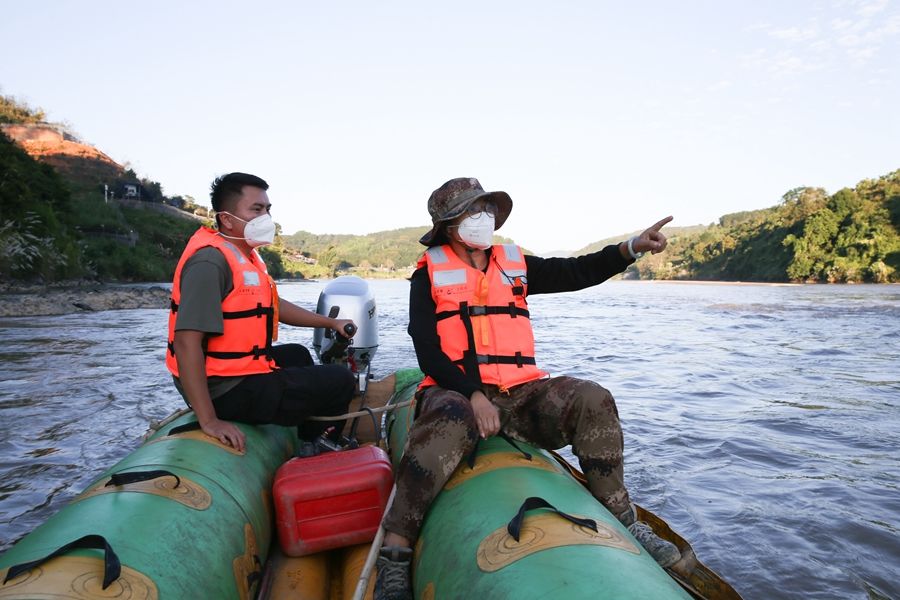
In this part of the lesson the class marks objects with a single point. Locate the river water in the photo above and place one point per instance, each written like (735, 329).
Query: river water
(762, 422)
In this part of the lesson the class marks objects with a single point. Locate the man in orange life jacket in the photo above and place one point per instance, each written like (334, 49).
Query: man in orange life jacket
(469, 322)
(224, 318)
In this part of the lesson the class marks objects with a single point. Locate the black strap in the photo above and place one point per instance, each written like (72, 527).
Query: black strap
(496, 359)
(470, 365)
(259, 311)
(471, 459)
(256, 352)
(112, 567)
(515, 526)
(477, 311)
(512, 443)
(192, 426)
(472, 455)
(510, 309)
(254, 576)
(137, 476)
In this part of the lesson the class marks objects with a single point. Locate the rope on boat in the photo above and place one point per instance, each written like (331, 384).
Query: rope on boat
(366, 574)
(157, 425)
(361, 413)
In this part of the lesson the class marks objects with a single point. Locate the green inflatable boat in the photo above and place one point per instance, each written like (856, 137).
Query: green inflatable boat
(185, 517)
(515, 523)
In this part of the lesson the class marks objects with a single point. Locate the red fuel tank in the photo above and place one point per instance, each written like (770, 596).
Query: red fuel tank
(331, 500)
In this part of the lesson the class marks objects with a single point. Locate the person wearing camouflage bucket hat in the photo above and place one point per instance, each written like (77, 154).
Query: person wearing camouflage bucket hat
(453, 199)
(470, 324)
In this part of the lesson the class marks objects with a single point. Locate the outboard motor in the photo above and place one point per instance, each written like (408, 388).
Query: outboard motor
(348, 297)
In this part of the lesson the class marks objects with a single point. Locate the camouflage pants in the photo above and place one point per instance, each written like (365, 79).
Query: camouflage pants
(550, 413)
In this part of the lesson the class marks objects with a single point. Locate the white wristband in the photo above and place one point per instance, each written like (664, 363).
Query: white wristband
(634, 255)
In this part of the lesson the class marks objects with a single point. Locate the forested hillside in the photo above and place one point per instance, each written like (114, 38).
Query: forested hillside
(852, 235)
(36, 237)
(61, 218)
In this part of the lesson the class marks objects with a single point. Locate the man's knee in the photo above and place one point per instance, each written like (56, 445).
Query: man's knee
(450, 407)
(292, 355)
(593, 397)
(342, 381)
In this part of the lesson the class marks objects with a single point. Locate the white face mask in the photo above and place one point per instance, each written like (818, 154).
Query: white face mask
(478, 231)
(258, 232)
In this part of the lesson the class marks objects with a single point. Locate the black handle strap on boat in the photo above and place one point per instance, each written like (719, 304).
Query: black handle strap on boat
(112, 568)
(137, 476)
(254, 576)
(192, 426)
(512, 443)
(514, 528)
(471, 458)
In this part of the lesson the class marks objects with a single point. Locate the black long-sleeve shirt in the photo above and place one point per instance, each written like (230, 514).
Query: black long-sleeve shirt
(545, 276)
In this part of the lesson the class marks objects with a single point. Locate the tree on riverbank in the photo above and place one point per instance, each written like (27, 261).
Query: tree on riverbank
(851, 236)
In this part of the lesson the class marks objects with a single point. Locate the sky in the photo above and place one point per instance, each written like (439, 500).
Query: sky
(597, 117)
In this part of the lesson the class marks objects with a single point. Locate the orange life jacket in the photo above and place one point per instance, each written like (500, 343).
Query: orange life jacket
(249, 311)
(482, 317)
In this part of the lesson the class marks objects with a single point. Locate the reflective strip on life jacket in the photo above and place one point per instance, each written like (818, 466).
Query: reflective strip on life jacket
(249, 312)
(482, 317)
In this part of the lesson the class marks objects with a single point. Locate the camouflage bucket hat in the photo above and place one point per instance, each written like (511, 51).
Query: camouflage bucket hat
(453, 198)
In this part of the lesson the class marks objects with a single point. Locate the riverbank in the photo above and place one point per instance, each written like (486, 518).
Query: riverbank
(29, 300)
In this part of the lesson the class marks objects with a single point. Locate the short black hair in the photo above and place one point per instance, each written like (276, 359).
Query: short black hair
(228, 188)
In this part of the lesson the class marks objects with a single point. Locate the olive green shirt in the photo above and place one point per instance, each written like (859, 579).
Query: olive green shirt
(205, 281)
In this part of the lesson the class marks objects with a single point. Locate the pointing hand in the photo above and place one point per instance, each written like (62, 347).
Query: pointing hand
(652, 239)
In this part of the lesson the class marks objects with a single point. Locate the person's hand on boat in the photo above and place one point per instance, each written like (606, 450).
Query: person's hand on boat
(652, 239)
(341, 327)
(486, 415)
(225, 432)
